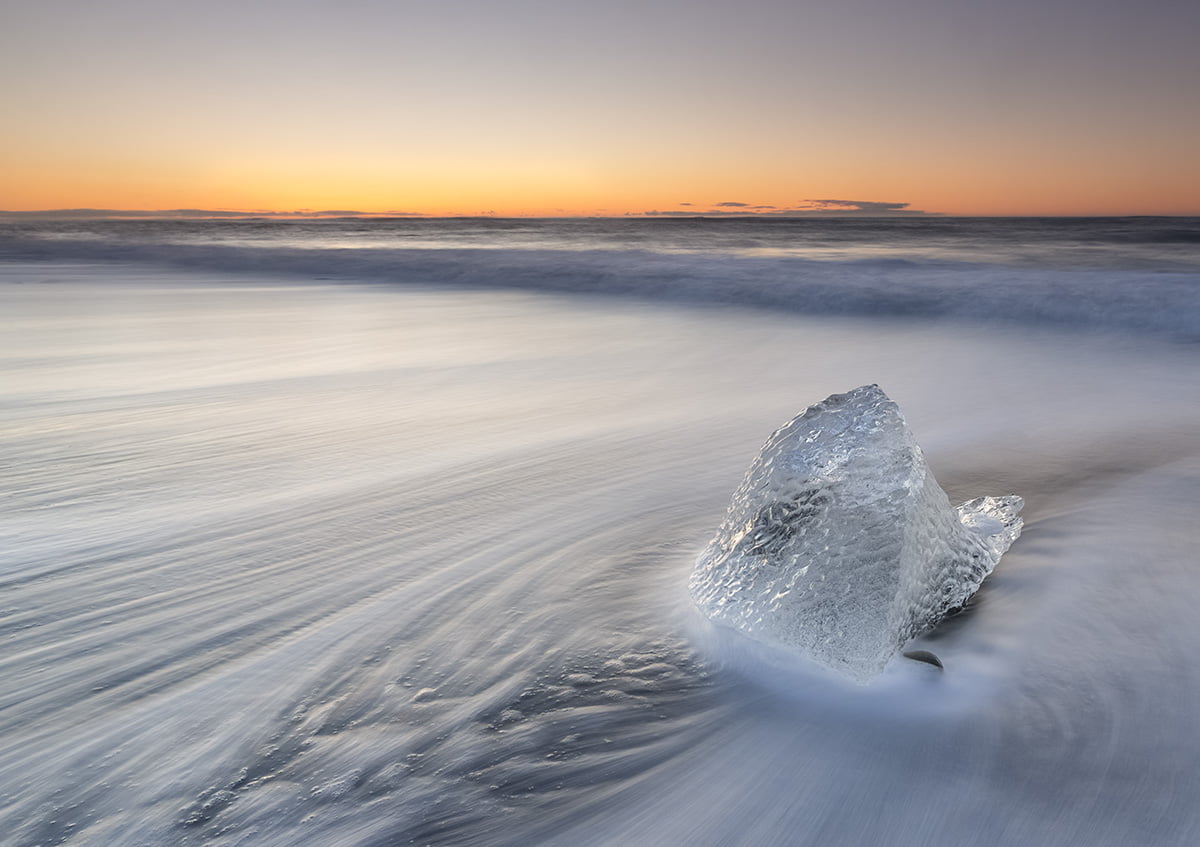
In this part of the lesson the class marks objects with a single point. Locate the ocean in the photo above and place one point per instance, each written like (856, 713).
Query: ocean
(378, 531)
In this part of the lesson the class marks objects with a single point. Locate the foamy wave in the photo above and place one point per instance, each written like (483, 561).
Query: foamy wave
(1150, 302)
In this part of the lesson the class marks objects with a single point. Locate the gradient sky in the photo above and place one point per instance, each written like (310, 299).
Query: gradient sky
(603, 106)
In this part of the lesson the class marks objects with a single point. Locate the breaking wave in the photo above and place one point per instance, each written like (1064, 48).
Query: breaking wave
(1153, 302)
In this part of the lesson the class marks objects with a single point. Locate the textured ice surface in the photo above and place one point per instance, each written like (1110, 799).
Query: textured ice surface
(839, 542)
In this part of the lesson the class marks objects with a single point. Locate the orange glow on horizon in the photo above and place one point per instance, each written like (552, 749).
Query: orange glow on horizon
(593, 185)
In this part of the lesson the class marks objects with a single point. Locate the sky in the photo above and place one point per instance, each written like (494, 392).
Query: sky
(603, 107)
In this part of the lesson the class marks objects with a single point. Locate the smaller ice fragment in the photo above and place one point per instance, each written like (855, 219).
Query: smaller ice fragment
(839, 542)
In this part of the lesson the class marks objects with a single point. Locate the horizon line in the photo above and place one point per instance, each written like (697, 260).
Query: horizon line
(87, 213)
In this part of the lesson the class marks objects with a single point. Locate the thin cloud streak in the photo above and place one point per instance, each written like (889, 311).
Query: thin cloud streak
(199, 214)
(725, 208)
(806, 208)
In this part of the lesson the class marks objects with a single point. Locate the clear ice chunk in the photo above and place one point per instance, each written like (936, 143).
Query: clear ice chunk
(841, 545)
